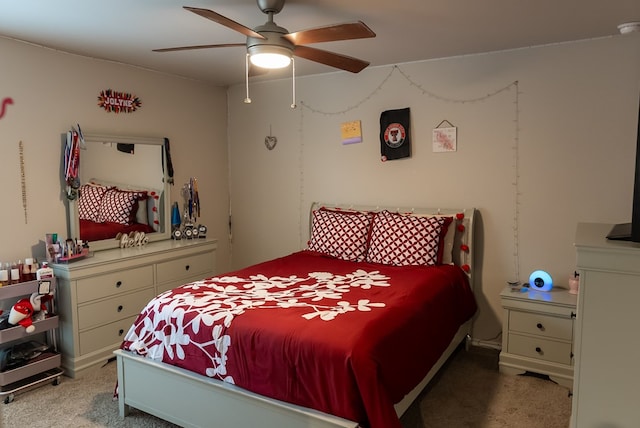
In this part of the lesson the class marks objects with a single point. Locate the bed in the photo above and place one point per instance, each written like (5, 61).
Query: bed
(345, 333)
(106, 209)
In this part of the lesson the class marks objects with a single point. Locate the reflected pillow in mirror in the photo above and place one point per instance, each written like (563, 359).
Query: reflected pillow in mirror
(89, 201)
(119, 206)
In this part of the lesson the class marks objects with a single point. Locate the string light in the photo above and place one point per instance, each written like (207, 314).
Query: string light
(23, 181)
(424, 91)
(516, 185)
(434, 95)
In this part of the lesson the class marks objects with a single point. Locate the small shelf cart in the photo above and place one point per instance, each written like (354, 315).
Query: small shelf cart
(46, 366)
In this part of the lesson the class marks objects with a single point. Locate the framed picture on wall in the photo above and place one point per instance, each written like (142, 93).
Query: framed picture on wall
(445, 139)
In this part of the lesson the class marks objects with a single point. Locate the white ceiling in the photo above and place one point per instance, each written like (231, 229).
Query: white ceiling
(126, 31)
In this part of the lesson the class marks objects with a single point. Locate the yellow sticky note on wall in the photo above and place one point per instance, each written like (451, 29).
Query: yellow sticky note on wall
(351, 132)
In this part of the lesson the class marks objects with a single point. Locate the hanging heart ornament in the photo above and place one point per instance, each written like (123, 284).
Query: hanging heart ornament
(270, 141)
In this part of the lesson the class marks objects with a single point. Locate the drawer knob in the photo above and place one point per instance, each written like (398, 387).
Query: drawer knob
(120, 308)
(540, 326)
(187, 267)
(118, 284)
(538, 350)
(120, 332)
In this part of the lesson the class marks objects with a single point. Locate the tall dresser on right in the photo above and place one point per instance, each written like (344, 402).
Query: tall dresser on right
(606, 382)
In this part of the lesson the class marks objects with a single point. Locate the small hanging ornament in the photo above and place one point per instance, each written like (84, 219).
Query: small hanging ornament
(270, 141)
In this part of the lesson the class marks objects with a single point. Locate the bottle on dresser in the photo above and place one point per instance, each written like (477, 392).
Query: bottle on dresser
(28, 270)
(4, 274)
(14, 273)
(45, 272)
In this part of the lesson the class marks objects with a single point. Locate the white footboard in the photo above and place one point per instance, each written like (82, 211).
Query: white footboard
(190, 400)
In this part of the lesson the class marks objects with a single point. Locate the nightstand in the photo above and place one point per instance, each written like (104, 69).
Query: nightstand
(537, 333)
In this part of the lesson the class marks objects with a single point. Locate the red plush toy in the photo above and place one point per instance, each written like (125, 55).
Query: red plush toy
(23, 310)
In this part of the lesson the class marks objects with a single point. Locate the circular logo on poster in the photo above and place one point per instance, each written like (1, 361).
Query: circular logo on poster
(394, 135)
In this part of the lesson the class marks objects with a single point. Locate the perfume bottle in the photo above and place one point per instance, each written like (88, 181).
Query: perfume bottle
(4, 274)
(26, 270)
(14, 273)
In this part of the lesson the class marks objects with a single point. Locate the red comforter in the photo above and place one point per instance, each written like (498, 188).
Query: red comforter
(345, 338)
(91, 231)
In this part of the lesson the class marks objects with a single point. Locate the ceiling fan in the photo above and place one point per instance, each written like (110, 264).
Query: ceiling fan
(271, 46)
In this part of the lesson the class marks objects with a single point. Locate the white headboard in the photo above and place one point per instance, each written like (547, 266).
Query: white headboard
(463, 241)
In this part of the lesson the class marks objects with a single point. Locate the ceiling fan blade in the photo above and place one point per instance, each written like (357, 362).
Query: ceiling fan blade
(187, 48)
(332, 59)
(223, 20)
(331, 33)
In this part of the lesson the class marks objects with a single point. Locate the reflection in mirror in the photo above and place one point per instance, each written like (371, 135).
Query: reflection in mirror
(123, 188)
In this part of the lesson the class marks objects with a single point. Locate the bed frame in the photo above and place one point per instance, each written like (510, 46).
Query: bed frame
(191, 400)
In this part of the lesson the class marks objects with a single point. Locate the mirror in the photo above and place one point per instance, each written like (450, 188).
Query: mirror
(124, 188)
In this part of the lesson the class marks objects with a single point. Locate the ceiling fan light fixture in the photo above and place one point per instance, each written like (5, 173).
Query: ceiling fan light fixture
(629, 27)
(270, 56)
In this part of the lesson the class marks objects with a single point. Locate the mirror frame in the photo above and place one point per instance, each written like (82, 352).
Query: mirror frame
(105, 244)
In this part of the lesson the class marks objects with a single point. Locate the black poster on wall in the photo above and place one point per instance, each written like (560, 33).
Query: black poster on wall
(394, 134)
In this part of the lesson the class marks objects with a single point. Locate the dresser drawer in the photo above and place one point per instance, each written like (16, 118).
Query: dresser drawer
(541, 325)
(539, 348)
(118, 282)
(165, 286)
(113, 309)
(185, 267)
(106, 335)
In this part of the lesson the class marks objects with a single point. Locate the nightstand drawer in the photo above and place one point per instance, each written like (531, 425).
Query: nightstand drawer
(113, 309)
(114, 283)
(184, 267)
(538, 348)
(541, 325)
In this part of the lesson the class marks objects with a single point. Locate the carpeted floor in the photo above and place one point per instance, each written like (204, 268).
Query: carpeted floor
(468, 393)
(471, 393)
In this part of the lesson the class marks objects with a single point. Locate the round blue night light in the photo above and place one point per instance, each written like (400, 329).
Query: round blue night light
(540, 280)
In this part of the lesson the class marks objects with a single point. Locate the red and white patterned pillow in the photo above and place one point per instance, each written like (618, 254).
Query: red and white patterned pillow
(89, 201)
(402, 240)
(340, 234)
(119, 206)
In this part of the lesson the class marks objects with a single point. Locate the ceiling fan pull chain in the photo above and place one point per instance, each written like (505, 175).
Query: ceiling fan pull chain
(293, 75)
(247, 100)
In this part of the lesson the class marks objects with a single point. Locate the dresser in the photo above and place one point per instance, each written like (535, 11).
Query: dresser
(607, 365)
(99, 297)
(537, 333)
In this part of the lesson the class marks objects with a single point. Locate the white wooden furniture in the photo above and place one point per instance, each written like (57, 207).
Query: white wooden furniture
(161, 390)
(42, 369)
(537, 333)
(607, 367)
(99, 297)
(156, 388)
